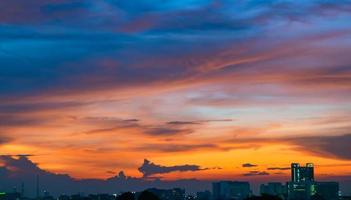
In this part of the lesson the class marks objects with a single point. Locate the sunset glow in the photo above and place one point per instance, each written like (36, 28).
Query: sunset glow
(91, 88)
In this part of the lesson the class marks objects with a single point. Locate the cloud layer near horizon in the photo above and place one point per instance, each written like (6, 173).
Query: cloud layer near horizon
(19, 169)
(90, 86)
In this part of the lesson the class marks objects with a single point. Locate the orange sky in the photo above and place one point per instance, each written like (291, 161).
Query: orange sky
(198, 82)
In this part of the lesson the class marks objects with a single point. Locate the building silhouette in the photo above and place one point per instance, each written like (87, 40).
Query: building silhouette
(274, 189)
(205, 195)
(302, 173)
(304, 187)
(328, 190)
(237, 190)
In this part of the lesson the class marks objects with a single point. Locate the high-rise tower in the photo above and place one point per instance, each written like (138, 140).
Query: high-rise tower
(295, 172)
(302, 174)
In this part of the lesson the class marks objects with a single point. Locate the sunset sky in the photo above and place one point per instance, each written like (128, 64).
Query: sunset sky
(211, 89)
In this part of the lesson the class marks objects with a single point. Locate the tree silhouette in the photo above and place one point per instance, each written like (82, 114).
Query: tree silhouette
(317, 197)
(147, 195)
(126, 196)
(264, 197)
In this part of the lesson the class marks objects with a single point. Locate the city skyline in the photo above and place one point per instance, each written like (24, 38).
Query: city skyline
(302, 186)
(31, 181)
(183, 89)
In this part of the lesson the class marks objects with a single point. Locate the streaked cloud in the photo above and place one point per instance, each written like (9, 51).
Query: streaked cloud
(248, 165)
(108, 83)
(149, 168)
(278, 168)
(325, 146)
(256, 173)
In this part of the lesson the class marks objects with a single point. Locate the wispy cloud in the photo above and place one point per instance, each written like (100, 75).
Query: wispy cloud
(256, 173)
(278, 168)
(91, 81)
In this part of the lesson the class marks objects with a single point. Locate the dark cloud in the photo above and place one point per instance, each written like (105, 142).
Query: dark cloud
(256, 173)
(166, 131)
(218, 120)
(17, 121)
(110, 172)
(278, 168)
(109, 124)
(18, 155)
(279, 173)
(124, 12)
(149, 168)
(113, 125)
(105, 59)
(22, 165)
(4, 138)
(131, 120)
(57, 184)
(18, 169)
(183, 122)
(248, 165)
(48, 50)
(177, 147)
(326, 146)
(336, 146)
(37, 107)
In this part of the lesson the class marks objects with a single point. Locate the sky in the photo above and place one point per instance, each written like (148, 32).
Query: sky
(173, 90)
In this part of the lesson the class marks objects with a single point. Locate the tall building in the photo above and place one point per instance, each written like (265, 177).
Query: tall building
(295, 172)
(302, 174)
(307, 172)
(225, 190)
(303, 186)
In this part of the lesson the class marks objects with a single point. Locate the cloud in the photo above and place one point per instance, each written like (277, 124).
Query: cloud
(4, 138)
(30, 114)
(19, 155)
(256, 173)
(149, 168)
(165, 131)
(336, 146)
(109, 64)
(21, 166)
(183, 123)
(169, 148)
(170, 65)
(110, 172)
(37, 107)
(249, 165)
(18, 169)
(17, 121)
(110, 125)
(123, 13)
(278, 168)
(326, 146)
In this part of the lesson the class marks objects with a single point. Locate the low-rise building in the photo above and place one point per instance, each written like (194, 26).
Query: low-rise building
(274, 189)
(234, 190)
